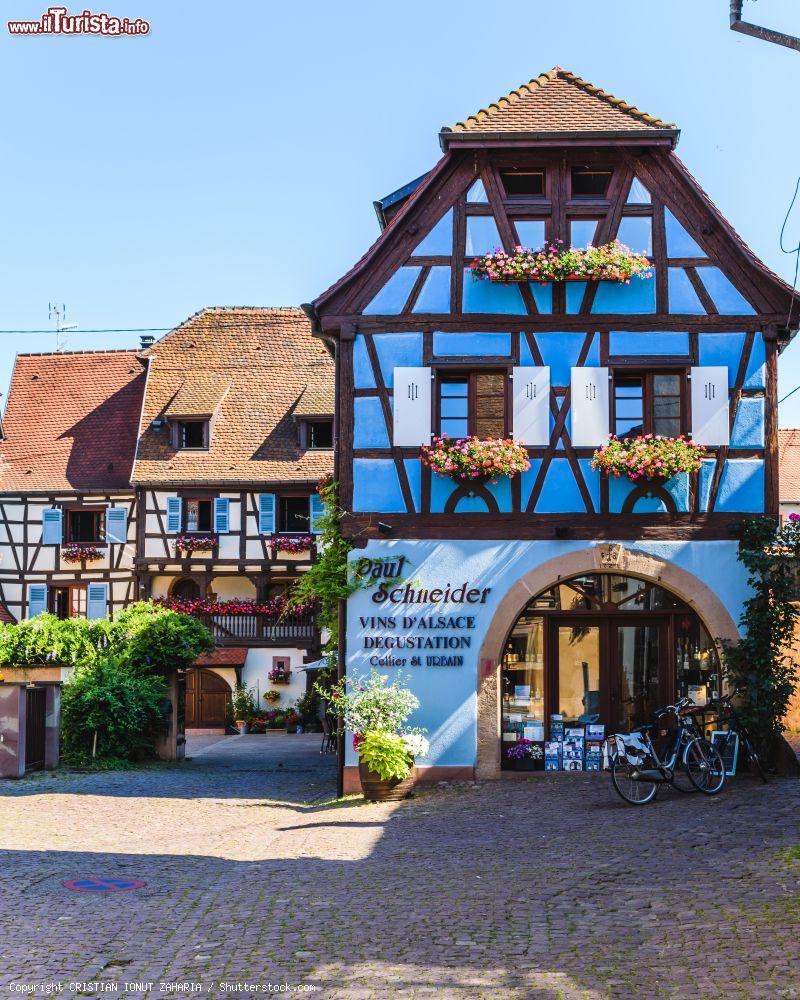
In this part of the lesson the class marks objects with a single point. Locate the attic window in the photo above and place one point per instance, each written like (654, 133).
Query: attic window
(191, 434)
(319, 433)
(590, 182)
(523, 184)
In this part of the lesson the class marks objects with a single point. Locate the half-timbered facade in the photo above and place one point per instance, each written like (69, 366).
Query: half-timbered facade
(558, 591)
(67, 511)
(236, 432)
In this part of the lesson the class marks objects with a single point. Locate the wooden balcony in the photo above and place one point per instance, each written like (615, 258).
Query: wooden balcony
(261, 630)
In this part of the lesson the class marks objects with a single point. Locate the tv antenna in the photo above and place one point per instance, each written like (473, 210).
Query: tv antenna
(757, 31)
(59, 314)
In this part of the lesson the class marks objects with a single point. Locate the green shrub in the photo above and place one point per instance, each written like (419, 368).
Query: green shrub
(110, 713)
(242, 704)
(46, 640)
(157, 640)
(386, 754)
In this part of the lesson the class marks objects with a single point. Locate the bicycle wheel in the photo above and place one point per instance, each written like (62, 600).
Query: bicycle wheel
(704, 766)
(635, 793)
(753, 756)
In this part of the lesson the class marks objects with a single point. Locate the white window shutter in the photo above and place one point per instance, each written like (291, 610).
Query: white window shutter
(316, 511)
(174, 509)
(531, 409)
(52, 518)
(222, 518)
(412, 407)
(116, 525)
(266, 513)
(37, 599)
(97, 600)
(710, 405)
(589, 407)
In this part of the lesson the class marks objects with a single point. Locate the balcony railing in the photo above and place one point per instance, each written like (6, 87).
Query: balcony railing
(260, 630)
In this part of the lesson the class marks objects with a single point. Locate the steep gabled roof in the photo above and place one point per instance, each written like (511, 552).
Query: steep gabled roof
(250, 367)
(70, 421)
(556, 103)
(789, 465)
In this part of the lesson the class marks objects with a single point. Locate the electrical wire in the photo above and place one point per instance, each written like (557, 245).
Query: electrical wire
(791, 250)
(119, 329)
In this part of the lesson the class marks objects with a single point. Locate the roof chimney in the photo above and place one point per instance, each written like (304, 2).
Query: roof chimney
(146, 340)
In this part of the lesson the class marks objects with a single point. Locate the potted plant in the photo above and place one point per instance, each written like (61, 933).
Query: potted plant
(280, 675)
(271, 697)
(289, 546)
(471, 459)
(527, 755)
(648, 458)
(190, 543)
(557, 262)
(243, 708)
(376, 711)
(292, 720)
(76, 552)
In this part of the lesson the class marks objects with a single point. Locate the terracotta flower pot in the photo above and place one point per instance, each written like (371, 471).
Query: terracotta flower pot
(376, 789)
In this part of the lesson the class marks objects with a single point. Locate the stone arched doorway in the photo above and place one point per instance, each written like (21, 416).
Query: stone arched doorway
(568, 659)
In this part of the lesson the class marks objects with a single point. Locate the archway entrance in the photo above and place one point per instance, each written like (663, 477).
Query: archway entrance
(207, 697)
(602, 648)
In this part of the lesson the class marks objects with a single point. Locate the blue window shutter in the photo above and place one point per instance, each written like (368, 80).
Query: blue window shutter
(97, 600)
(116, 525)
(51, 526)
(316, 512)
(221, 515)
(37, 599)
(266, 513)
(174, 505)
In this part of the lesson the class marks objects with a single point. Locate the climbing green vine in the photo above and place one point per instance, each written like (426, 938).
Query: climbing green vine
(761, 662)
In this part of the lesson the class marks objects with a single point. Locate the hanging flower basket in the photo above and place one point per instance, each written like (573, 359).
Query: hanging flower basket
(75, 553)
(187, 544)
(280, 676)
(292, 543)
(648, 458)
(556, 262)
(470, 459)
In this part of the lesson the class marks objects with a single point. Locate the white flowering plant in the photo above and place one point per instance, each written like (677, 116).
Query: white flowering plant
(363, 703)
(417, 744)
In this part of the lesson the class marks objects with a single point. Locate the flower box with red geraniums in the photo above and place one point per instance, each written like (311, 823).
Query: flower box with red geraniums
(470, 459)
(277, 608)
(292, 543)
(187, 544)
(648, 458)
(556, 262)
(280, 676)
(75, 553)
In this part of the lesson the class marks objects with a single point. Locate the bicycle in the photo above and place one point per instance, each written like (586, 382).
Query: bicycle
(637, 771)
(728, 716)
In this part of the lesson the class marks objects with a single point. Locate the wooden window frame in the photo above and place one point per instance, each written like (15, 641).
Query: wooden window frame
(72, 588)
(516, 199)
(469, 375)
(288, 495)
(305, 433)
(647, 375)
(599, 168)
(176, 428)
(187, 499)
(100, 519)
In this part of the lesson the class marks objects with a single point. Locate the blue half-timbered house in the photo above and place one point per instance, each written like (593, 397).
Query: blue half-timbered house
(558, 591)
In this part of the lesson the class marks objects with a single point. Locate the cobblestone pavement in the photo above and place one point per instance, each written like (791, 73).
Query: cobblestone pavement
(542, 888)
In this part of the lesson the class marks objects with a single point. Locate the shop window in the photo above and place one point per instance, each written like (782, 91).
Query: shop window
(67, 602)
(648, 404)
(523, 185)
(191, 435)
(590, 182)
(84, 526)
(473, 404)
(318, 434)
(293, 515)
(199, 515)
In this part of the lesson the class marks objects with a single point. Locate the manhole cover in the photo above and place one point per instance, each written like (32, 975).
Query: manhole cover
(103, 884)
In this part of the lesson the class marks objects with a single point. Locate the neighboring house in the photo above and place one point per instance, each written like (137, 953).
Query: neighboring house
(67, 512)
(236, 432)
(789, 461)
(559, 591)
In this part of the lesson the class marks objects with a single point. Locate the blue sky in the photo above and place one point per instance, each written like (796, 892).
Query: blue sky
(232, 156)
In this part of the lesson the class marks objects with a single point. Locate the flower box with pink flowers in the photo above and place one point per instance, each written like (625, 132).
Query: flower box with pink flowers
(473, 460)
(76, 553)
(648, 458)
(557, 262)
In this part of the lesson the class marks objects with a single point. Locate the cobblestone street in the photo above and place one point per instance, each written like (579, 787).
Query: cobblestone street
(549, 887)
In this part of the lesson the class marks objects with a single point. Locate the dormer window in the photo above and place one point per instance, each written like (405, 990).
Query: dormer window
(319, 434)
(523, 185)
(191, 435)
(590, 182)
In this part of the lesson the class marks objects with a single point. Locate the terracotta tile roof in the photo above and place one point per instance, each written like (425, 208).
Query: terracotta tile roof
(317, 399)
(266, 358)
(71, 421)
(5, 615)
(789, 465)
(224, 656)
(197, 396)
(558, 101)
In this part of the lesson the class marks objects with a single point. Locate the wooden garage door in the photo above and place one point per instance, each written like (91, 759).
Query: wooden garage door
(207, 696)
